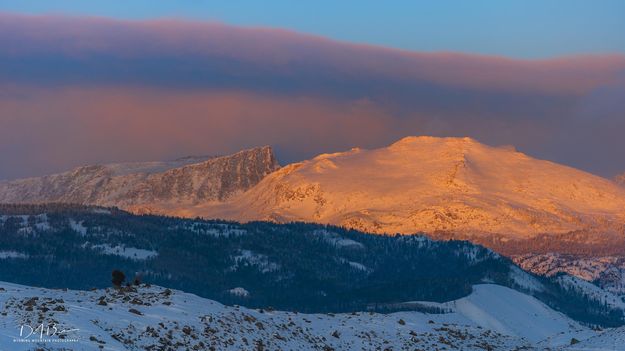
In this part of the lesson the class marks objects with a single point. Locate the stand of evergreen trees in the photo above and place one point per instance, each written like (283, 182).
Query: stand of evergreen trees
(297, 266)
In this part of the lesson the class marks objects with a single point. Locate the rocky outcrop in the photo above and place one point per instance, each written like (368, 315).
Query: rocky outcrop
(148, 185)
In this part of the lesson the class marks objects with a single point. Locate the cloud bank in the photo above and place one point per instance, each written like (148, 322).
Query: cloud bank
(88, 90)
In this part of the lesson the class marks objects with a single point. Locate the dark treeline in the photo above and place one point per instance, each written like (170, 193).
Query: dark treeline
(297, 266)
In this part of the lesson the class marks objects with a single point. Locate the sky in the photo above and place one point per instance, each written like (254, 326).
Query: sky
(84, 82)
(517, 28)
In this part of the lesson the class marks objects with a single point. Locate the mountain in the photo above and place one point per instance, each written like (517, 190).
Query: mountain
(433, 185)
(446, 188)
(607, 272)
(441, 186)
(147, 317)
(300, 267)
(148, 185)
(620, 179)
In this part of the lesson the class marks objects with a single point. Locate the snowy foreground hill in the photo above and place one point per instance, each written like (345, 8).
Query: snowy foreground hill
(154, 318)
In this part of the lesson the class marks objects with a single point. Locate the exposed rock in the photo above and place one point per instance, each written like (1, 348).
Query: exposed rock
(148, 186)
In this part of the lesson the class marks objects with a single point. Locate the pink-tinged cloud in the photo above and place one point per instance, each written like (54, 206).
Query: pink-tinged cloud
(120, 46)
(84, 90)
(134, 124)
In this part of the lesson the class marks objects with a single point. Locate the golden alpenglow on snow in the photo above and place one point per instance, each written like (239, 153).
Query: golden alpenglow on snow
(321, 175)
(428, 184)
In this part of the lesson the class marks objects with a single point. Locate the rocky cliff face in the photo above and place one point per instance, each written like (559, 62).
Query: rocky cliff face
(148, 186)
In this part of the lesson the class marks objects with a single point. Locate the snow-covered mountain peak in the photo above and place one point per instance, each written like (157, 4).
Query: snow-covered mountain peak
(446, 149)
(429, 184)
(433, 139)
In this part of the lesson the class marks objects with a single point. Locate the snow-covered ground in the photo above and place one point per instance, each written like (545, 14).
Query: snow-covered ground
(78, 227)
(12, 254)
(509, 312)
(593, 291)
(492, 317)
(587, 268)
(337, 241)
(610, 340)
(247, 257)
(29, 224)
(129, 252)
(212, 229)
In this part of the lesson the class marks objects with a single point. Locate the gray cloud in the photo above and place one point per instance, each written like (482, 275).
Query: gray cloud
(84, 90)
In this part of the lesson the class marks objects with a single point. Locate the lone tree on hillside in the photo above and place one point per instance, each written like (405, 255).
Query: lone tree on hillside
(138, 279)
(118, 278)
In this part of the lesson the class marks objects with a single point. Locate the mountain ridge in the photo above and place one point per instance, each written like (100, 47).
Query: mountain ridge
(428, 184)
(440, 186)
(142, 185)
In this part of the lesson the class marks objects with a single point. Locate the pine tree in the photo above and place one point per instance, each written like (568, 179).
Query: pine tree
(118, 278)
